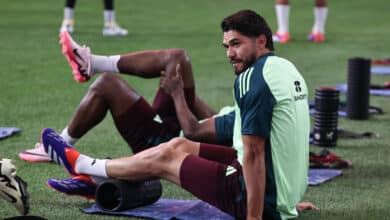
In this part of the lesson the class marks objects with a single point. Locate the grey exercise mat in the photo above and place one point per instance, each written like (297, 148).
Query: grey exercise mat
(8, 131)
(166, 209)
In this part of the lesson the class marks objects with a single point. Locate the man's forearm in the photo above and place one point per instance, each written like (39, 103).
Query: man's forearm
(254, 175)
(188, 122)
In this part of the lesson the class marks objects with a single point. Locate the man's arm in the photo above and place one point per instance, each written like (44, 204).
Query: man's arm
(205, 131)
(254, 174)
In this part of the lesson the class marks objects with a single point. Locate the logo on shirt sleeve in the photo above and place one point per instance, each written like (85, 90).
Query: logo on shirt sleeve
(297, 86)
(298, 89)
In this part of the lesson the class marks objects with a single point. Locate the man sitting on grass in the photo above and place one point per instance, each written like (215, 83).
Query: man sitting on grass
(140, 124)
(264, 175)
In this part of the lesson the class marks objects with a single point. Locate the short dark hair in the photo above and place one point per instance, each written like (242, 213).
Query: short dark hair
(250, 24)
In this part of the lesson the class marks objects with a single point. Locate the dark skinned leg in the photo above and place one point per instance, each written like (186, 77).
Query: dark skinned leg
(70, 3)
(110, 93)
(108, 4)
(149, 64)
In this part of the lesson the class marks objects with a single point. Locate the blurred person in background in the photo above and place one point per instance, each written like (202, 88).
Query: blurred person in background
(317, 34)
(111, 28)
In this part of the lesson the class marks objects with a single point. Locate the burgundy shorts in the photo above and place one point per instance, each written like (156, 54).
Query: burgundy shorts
(216, 178)
(139, 126)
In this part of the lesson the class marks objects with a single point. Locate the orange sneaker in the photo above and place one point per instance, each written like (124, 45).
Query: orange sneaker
(281, 38)
(59, 151)
(317, 37)
(78, 57)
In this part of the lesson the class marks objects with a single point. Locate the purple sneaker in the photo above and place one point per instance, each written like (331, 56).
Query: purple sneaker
(81, 185)
(59, 151)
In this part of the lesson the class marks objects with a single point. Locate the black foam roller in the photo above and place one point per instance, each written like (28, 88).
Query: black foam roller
(118, 195)
(358, 93)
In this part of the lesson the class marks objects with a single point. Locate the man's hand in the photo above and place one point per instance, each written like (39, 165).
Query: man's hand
(306, 206)
(172, 83)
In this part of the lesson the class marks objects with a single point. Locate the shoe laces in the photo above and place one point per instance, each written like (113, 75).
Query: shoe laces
(39, 146)
(83, 51)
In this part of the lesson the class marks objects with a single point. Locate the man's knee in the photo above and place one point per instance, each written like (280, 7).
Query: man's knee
(166, 151)
(183, 145)
(108, 84)
(179, 55)
(105, 82)
(157, 158)
(177, 143)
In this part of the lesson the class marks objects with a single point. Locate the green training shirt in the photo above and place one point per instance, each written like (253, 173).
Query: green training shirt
(271, 102)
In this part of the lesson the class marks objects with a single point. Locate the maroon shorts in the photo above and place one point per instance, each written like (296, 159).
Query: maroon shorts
(207, 178)
(139, 127)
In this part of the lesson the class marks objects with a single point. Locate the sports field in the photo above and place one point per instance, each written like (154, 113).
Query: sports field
(38, 90)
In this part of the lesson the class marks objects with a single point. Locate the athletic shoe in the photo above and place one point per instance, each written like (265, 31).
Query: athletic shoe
(12, 188)
(281, 38)
(113, 29)
(35, 155)
(79, 57)
(67, 26)
(326, 159)
(318, 37)
(81, 185)
(61, 152)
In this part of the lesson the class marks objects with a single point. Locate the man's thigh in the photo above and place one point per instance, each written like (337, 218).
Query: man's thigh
(142, 128)
(218, 184)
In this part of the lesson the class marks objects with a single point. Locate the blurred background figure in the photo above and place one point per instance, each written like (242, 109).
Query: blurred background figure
(111, 28)
(12, 188)
(317, 34)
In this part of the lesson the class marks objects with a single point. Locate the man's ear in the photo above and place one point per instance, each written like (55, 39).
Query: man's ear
(261, 41)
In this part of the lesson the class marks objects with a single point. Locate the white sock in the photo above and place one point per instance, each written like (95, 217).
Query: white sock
(109, 16)
(320, 15)
(90, 166)
(107, 64)
(69, 139)
(282, 16)
(68, 13)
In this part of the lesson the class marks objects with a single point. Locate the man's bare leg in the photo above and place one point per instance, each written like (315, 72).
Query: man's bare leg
(145, 64)
(110, 93)
(163, 161)
(107, 93)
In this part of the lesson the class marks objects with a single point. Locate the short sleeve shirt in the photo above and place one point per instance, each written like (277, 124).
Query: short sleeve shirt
(271, 102)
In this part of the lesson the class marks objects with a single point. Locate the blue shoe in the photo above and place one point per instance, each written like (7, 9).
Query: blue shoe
(81, 185)
(59, 151)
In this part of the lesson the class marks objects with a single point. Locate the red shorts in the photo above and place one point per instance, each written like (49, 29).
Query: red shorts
(139, 127)
(215, 176)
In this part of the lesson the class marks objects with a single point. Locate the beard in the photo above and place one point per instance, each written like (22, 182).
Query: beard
(240, 65)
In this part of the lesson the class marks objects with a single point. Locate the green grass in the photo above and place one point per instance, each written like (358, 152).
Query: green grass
(37, 89)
